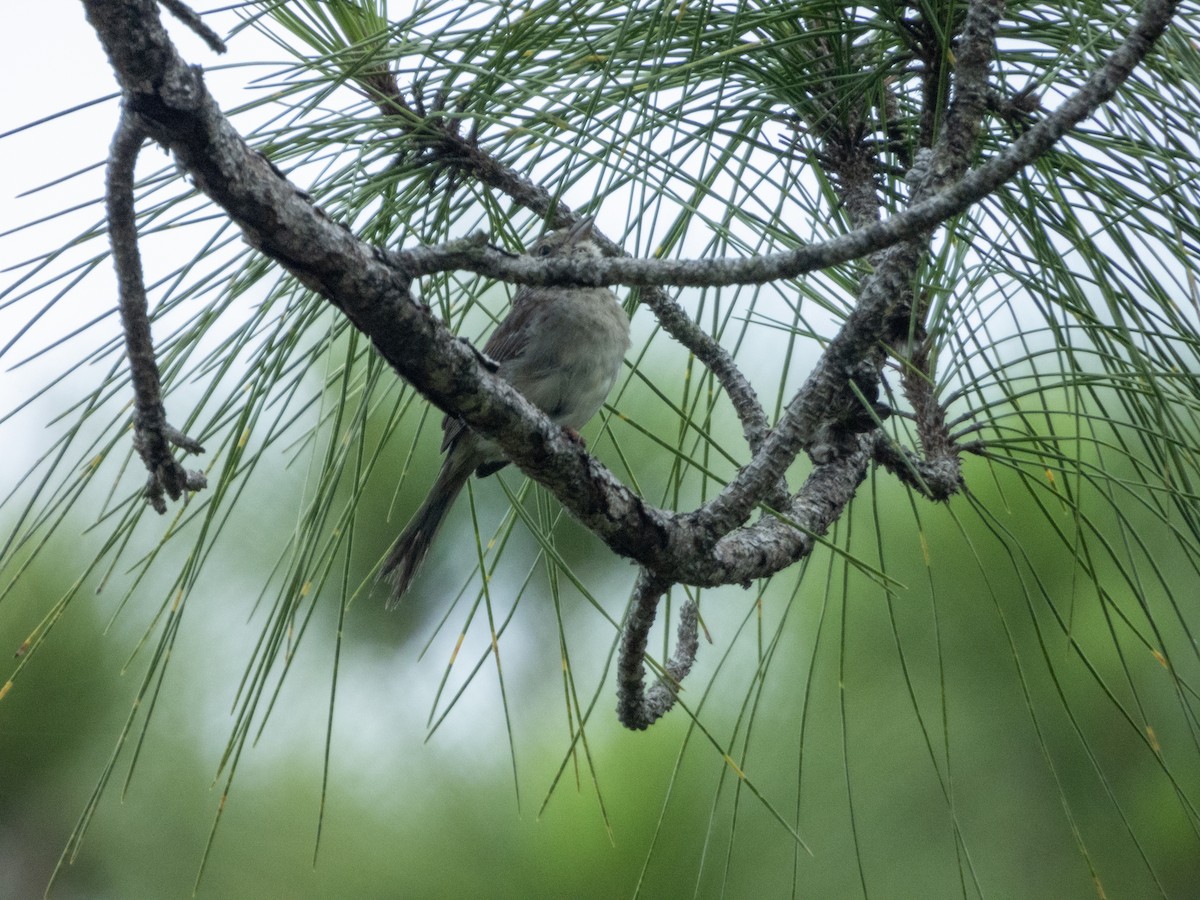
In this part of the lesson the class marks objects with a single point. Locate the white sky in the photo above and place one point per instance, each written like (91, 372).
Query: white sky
(56, 64)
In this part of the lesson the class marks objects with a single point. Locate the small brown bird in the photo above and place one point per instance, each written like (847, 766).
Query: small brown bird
(562, 348)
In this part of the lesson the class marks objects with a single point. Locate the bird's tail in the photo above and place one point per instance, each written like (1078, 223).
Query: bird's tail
(413, 544)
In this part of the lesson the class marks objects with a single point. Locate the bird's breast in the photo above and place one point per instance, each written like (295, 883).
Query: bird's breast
(572, 362)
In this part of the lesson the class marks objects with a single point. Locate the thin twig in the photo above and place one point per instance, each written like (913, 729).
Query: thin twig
(957, 141)
(452, 150)
(637, 707)
(360, 282)
(192, 20)
(152, 437)
(950, 158)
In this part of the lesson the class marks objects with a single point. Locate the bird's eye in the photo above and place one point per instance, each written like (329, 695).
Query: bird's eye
(543, 250)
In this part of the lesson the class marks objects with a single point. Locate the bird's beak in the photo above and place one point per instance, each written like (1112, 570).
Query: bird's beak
(581, 229)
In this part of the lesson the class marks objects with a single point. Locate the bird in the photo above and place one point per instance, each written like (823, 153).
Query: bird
(562, 347)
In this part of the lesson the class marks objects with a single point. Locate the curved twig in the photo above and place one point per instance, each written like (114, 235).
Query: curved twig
(462, 153)
(637, 707)
(152, 437)
(367, 286)
(917, 219)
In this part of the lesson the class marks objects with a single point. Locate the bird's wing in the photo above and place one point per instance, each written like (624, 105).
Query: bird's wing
(511, 336)
(507, 342)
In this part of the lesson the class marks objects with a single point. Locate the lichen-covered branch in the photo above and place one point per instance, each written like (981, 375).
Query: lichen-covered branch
(950, 157)
(955, 147)
(372, 289)
(445, 146)
(192, 20)
(638, 707)
(153, 437)
(921, 217)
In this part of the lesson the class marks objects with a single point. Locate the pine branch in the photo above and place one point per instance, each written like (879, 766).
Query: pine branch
(373, 292)
(153, 436)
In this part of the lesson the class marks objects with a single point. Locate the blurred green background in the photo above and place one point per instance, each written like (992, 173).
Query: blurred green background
(876, 726)
(993, 725)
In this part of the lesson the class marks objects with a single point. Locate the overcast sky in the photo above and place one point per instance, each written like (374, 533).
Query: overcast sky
(53, 62)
